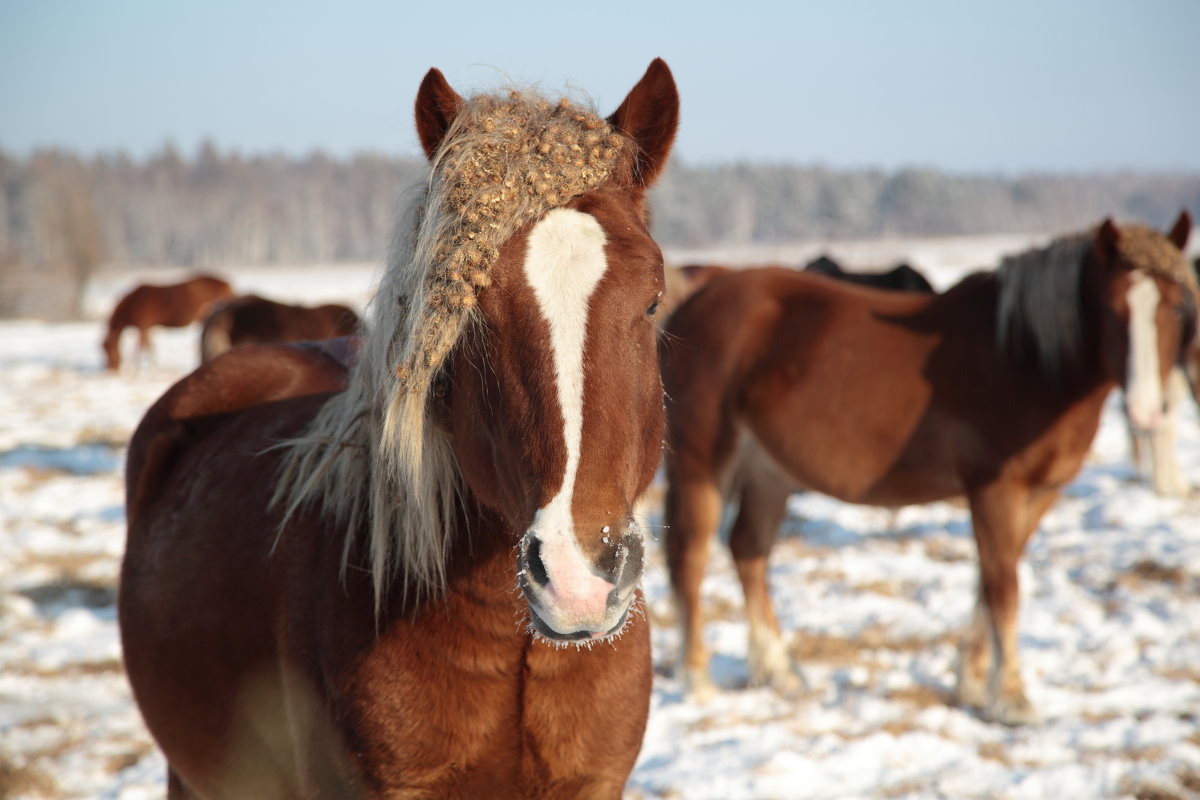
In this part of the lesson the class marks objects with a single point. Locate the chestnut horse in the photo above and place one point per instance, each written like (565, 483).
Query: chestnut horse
(253, 319)
(425, 585)
(176, 305)
(780, 380)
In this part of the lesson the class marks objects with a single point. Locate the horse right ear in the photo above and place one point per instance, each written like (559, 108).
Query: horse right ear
(650, 115)
(1107, 236)
(1181, 230)
(436, 107)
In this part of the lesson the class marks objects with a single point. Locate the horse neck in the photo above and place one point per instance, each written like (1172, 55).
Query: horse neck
(481, 577)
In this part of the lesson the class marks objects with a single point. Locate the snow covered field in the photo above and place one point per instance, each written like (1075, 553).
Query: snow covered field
(1110, 616)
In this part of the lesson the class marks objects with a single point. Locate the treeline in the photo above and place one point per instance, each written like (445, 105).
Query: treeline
(61, 215)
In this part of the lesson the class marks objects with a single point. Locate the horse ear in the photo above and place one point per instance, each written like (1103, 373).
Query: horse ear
(1181, 230)
(1107, 235)
(650, 114)
(436, 107)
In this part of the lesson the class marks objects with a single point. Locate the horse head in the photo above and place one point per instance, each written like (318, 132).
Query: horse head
(551, 396)
(1150, 311)
(111, 345)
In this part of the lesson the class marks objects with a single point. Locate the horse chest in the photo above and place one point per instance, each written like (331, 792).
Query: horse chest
(466, 705)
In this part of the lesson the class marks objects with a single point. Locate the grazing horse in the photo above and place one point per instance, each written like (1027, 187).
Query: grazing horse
(779, 380)
(900, 278)
(174, 306)
(254, 319)
(424, 585)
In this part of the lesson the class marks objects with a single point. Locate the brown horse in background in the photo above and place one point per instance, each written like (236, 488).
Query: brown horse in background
(424, 585)
(779, 380)
(176, 305)
(251, 319)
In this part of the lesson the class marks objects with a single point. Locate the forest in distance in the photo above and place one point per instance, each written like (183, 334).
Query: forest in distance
(63, 214)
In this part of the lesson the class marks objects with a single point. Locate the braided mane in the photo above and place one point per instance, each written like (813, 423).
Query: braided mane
(371, 459)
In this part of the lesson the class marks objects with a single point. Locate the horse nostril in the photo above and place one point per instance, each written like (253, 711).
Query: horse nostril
(624, 565)
(535, 568)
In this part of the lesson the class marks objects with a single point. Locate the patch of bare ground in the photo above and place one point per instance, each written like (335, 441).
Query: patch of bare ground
(995, 751)
(1186, 786)
(133, 752)
(1148, 572)
(888, 588)
(25, 779)
(845, 651)
(1179, 673)
(74, 669)
(68, 565)
(946, 550)
(903, 788)
(111, 437)
(920, 696)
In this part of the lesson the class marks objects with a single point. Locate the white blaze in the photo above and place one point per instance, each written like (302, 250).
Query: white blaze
(1143, 382)
(564, 263)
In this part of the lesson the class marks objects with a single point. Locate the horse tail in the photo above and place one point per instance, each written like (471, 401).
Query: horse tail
(216, 336)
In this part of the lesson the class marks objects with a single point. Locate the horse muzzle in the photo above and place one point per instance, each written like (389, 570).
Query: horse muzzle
(571, 597)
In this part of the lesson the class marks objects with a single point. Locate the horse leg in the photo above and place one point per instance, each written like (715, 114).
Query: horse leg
(1164, 468)
(763, 504)
(145, 350)
(693, 511)
(1004, 516)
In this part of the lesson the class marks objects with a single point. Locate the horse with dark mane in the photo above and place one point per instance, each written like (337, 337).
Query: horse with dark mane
(781, 379)
(175, 305)
(253, 319)
(424, 584)
(900, 278)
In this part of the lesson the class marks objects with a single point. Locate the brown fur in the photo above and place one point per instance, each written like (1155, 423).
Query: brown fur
(254, 319)
(174, 306)
(263, 655)
(780, 380)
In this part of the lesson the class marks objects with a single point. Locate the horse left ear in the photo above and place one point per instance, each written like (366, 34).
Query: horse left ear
(1107, 236)
(650, 114)
(436, 107)
(1181, 230)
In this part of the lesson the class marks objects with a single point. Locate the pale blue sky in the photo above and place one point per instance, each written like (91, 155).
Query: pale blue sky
(957, 84)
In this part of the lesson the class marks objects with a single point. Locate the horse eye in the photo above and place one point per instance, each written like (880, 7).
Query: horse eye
(653, 309)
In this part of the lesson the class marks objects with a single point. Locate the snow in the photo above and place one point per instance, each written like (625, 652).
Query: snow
(871, 602)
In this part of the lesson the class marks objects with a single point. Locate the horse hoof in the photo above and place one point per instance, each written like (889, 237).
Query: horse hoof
(786, 680)
(698, 686)
(971, 693)
(1013, 711)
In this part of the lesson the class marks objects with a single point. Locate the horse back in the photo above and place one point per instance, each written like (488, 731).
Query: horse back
(237, 380)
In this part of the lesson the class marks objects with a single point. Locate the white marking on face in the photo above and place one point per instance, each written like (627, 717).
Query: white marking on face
(1143, 382)
(564, 263)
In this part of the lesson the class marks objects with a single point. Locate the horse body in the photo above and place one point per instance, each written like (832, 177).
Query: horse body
(174, 306)
(251, 318)
(433, 594)
(449, 701)
(783, 380)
